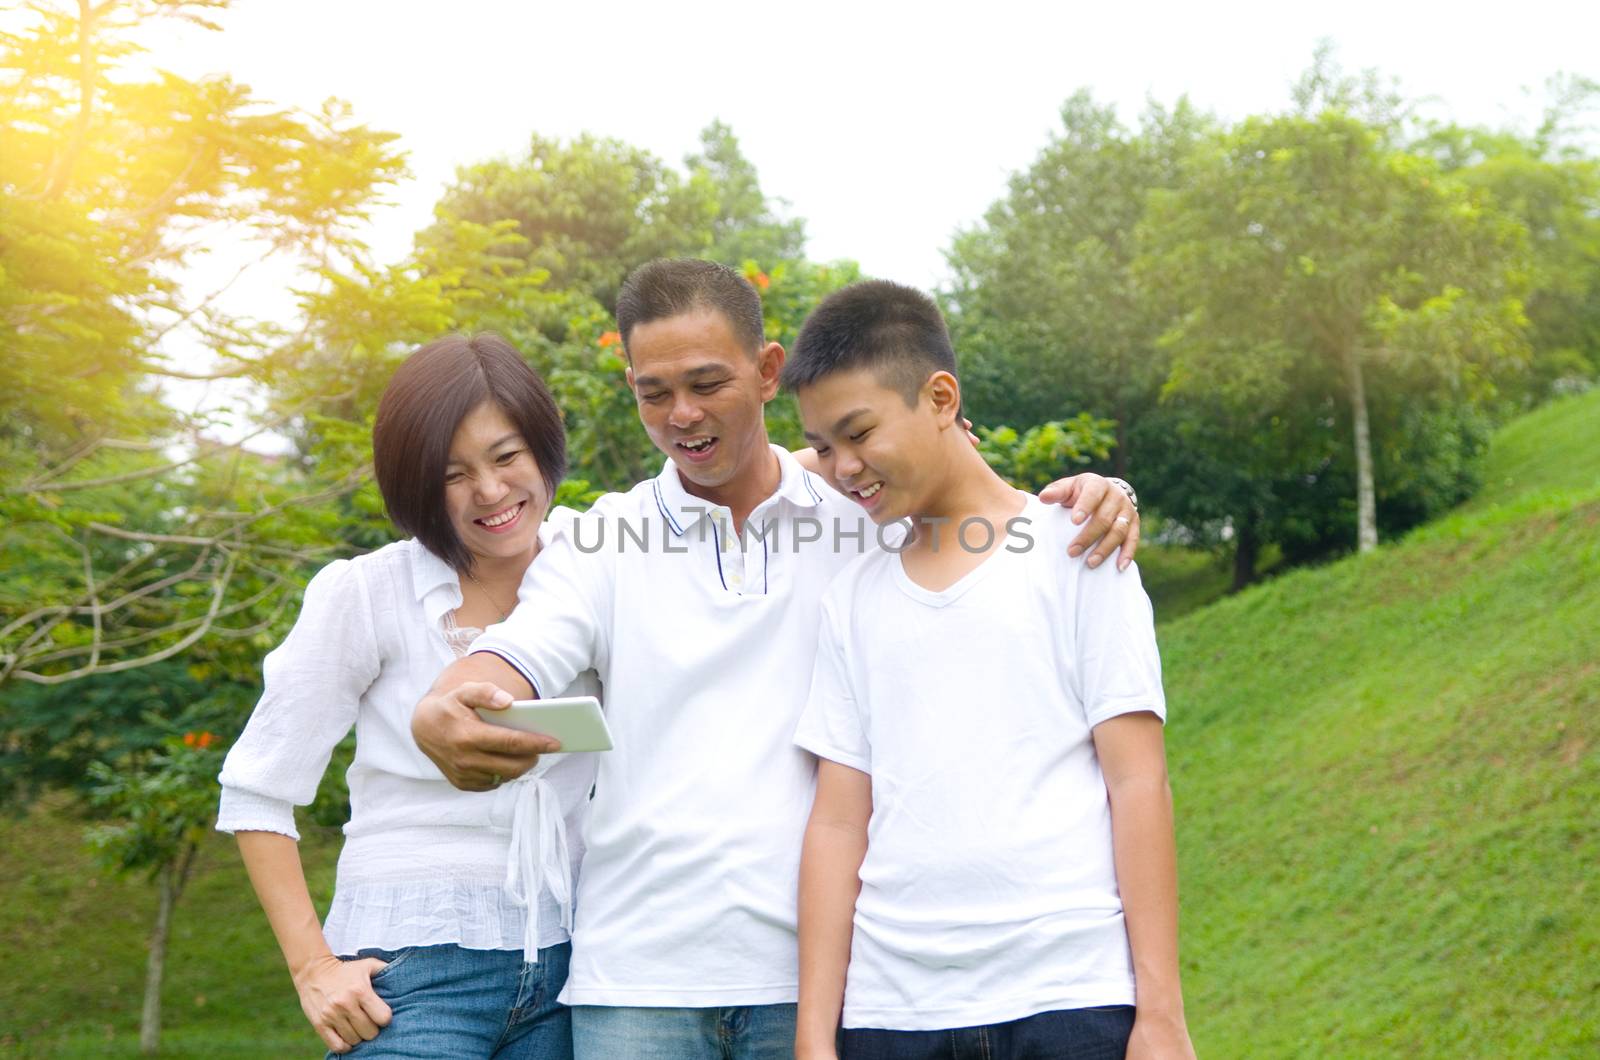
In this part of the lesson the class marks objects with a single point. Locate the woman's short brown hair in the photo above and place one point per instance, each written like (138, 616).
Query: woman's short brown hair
(432, 391)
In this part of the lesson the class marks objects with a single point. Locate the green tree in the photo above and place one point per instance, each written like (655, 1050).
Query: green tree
(1044, 288)
(1551, 183)
(134, 532)
(593, 209)
(1309, 259)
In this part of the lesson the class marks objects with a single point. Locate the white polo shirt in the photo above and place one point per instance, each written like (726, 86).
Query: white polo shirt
(705, 649)
(989, 891)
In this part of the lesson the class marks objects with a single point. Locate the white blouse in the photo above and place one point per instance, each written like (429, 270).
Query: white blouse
(423, 863)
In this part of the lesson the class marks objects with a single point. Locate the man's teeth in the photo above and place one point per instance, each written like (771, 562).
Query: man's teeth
(870, 491)
(698, 444)
(503, 518)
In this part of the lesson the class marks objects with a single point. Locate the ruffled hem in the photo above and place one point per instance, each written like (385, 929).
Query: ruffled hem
(471, 914)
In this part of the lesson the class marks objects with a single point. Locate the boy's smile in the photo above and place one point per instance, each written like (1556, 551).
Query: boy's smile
(871, 446)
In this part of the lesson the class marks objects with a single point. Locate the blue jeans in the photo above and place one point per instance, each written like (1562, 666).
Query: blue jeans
(753, 1032)
(1068, 1034)
(471, 1005)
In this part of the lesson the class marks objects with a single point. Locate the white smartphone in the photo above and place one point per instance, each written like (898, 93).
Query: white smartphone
(577, 722)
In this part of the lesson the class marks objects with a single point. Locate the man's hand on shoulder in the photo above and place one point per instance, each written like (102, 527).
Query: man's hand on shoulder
(1107, 512)
(472, 754)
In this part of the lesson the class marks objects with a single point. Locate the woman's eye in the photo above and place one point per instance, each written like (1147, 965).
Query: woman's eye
(452, 478)
(506, 458)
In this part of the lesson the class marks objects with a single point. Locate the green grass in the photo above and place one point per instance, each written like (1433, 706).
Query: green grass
(1555, 448)
(74, 940)
(1387, 774)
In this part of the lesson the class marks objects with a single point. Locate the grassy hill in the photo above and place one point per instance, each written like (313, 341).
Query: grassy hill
(1388, 782)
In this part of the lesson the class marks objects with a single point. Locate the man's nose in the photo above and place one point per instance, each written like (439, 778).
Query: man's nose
(685, 413)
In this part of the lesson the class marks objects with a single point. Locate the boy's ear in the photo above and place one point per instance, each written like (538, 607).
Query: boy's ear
(944, 392)
(628, 375)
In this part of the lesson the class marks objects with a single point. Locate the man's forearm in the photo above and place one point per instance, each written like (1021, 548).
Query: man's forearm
(486, 667)
(830, 881)
(1147, 877)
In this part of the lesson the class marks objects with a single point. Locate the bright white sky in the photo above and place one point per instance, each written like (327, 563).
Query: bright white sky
(886, 126)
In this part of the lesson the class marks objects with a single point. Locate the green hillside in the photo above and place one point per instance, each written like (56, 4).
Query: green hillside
(1387, 773)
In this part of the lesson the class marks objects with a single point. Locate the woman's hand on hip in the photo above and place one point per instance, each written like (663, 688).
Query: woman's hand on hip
(337, 997)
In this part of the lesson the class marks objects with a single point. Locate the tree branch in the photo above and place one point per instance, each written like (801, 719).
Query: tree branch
(219, 587)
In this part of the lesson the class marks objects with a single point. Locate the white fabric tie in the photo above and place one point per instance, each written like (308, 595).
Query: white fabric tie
(538, 858)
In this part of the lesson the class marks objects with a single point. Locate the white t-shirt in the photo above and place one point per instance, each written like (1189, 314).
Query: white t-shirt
(423, 863)
(687, 895)
(988, 892)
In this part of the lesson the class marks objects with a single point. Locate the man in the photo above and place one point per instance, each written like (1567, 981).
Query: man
(696, 597)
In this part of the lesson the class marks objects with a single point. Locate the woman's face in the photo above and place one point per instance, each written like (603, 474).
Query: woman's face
(493, 488)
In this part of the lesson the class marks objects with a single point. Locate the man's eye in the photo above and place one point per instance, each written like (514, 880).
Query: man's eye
(656, 396)
(706, 388)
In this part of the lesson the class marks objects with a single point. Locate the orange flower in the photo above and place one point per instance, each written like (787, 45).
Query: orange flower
(189, 739)
(761, 280)
(609, 339)
(205, 740)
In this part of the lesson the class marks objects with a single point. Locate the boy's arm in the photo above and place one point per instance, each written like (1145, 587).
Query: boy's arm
(830, 880)
(1133, 761)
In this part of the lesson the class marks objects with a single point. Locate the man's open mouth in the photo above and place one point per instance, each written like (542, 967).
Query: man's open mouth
(699, 447)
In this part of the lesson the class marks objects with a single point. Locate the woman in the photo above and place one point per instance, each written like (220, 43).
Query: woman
(448, 931)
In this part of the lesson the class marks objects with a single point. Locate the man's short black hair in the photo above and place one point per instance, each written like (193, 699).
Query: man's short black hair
(432, 391)
(895, 331)
(669, 287)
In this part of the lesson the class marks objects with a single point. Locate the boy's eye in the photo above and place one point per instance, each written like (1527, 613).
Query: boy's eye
(822, 450)
(860, 435)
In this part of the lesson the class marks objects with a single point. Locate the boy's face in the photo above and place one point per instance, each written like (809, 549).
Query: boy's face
(872, 446)
(701, 394)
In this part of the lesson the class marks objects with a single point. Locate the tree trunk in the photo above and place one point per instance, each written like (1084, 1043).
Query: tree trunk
(173, 876)
(1246, 551)
(1120, 464)
(1366, 502)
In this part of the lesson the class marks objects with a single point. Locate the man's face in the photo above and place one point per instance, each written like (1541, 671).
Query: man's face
(872, 446)
(701, 394)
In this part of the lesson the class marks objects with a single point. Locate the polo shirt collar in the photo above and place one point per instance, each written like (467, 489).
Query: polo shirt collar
(437, 587)
(682, 509)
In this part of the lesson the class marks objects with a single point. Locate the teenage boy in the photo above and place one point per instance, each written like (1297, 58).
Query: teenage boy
(704, 638)
(989, 866)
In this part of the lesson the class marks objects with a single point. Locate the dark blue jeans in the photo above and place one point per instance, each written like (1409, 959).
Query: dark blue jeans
(471, 1004)
(1070, 1034)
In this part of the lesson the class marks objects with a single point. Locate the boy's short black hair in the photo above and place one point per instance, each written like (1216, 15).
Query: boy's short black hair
(669, 287)
(431, 392)
(895, 331)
